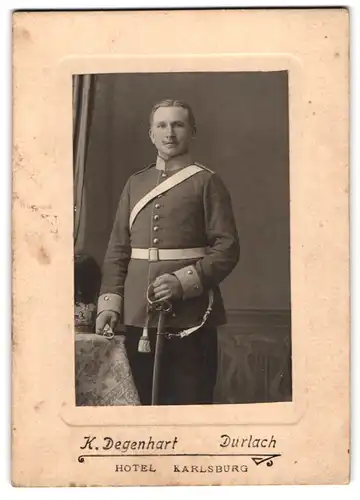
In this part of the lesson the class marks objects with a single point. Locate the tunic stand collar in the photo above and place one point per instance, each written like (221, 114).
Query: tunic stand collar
(174, 163)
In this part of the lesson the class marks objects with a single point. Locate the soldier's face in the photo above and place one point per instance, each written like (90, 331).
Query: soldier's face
(171, 132)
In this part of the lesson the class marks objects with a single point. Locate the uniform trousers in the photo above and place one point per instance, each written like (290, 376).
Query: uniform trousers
(188, 366)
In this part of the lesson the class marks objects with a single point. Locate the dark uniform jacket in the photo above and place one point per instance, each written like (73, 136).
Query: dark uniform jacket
(195, 213)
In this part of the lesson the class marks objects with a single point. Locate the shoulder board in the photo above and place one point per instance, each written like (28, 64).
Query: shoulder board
(205, 168)
(144, 169)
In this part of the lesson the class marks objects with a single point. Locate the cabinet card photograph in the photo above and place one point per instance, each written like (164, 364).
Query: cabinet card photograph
(209, 210)
(174, 221)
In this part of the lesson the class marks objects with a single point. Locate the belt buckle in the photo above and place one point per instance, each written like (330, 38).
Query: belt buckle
(153, 254)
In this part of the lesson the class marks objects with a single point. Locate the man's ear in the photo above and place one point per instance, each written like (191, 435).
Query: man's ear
(151, 135)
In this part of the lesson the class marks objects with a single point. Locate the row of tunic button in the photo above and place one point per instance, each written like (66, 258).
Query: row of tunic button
(156, 216)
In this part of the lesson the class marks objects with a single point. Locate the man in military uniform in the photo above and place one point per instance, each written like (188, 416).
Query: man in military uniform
(174, 239)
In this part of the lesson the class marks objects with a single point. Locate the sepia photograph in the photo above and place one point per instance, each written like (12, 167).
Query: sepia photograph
(182, 238)
(180, 248)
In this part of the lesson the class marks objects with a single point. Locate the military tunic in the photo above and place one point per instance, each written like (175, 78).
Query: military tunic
(194, 213)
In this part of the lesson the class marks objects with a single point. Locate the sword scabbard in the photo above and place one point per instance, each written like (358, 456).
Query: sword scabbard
(160, 338)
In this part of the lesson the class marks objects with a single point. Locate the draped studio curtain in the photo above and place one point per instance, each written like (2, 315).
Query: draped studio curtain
(83, 104)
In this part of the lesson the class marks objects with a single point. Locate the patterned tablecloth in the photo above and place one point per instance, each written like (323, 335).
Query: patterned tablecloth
(103, 375)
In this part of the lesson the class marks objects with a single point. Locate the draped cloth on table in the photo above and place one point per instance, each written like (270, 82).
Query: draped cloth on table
(103, 375)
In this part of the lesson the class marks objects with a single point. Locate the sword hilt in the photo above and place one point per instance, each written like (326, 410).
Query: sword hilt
(162, 306)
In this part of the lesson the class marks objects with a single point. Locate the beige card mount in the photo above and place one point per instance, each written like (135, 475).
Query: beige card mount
(281, 414)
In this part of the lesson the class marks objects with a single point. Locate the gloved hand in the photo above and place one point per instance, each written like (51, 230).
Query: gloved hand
(167, 287)
(110, 318)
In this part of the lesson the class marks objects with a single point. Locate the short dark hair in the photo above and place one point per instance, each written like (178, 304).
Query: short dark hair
(167, 103)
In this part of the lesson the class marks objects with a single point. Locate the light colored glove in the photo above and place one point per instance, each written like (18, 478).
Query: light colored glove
(110, 318)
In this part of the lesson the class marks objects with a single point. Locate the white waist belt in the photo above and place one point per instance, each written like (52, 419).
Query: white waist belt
(156, 254)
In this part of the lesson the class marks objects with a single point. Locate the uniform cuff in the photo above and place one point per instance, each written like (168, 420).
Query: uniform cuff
(190, 282)
(110, 302)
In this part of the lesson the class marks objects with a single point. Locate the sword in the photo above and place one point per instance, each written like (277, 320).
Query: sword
(164, 308)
